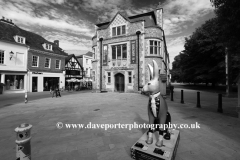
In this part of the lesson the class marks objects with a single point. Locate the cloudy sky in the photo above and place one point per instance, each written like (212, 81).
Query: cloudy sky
(72, 21)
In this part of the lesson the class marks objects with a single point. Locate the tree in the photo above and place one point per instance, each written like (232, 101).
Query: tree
(202, 60)
(228, 16)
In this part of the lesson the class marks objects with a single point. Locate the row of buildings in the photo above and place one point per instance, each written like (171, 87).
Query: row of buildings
(122, 48)
(28, 62)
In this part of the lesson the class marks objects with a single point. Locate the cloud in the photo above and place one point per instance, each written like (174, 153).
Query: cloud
(179, 13)
(175, 45)
(24, 13)
(68, 42)
(105, 9)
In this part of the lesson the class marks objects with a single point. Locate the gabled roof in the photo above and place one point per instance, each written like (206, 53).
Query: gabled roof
(149, 18)
(90, 54)
(34, 41)
(70, 57)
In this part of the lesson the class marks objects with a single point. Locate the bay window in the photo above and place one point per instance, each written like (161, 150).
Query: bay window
(155, 47)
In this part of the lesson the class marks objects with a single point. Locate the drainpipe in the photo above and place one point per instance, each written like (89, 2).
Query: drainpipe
(101, 39)
(138, 33)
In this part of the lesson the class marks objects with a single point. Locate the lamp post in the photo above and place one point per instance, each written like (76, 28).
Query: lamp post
(11, 54)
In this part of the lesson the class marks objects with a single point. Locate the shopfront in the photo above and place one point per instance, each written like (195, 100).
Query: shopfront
(14, 82)
(44, 81)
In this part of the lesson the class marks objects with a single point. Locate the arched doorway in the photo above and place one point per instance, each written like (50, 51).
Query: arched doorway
(119, 82)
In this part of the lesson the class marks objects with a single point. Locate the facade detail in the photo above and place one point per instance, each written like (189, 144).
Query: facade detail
(86, 62)
(74, 69)
(28, 62)
(122, 49)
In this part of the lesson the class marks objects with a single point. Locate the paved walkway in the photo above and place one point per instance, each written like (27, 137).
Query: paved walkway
(218, 138)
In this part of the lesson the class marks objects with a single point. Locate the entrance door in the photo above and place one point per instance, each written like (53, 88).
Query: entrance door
(119, 82)
(34, 84)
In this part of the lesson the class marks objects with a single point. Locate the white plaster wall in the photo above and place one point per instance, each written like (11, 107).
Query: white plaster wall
(11, 64)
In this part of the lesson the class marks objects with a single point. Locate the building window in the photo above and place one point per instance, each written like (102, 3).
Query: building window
(129, 77)
(58, 64)
(86, 61)
(47, 62)
(48, 46)
(109, 77)
(155, 47)
(34, 61)
(93, 75)
(86, 71)
(119, 52)
(19, 39)
(119, 30)
(1, 57)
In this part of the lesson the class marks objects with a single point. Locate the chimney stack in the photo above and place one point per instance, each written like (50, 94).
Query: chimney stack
(56, 42)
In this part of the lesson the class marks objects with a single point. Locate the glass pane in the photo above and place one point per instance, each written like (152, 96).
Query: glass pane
(123, 29)
(113, 52)
(155, 43)
(118, 30)
(155, 50)
(109, 74)
(151, 43)
(129, 73)
(124, 51)
(151, 50)
(158, 43)
(114, 31)
(130, 79)
(119, 52)
(159, 50)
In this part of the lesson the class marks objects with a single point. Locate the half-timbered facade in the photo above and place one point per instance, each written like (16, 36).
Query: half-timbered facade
(73, 68)
(123, 48)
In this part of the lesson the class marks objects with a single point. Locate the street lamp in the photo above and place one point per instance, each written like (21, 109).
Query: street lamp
(11, 54)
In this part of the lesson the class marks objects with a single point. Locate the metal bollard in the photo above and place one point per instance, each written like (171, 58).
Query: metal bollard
(220, 103)
(182, 101)
(198, 100)
(171, 93)
(26, 99)
(23, 145)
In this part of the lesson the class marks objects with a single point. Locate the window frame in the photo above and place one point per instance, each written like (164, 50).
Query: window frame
(2, 58)
(155, 47)
(130, 77)
(20, 39)
(115, 50)
(37, 60)
(86, 60)
(108, 77)
(56, 63)
(49, 62)
(119, 28)
(48, 46)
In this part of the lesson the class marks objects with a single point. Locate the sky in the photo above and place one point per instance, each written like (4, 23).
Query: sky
(72, 22)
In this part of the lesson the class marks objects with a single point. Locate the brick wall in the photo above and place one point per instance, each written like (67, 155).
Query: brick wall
(41, 62)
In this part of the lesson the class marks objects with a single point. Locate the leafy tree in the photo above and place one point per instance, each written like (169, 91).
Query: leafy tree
(228, 16)
(202, 60)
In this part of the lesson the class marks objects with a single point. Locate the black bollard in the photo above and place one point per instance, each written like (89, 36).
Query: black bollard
(171, 94)
(220, 110)
(182, 101)
(198, 100)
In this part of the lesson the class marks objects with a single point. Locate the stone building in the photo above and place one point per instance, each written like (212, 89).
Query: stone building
(123, 48)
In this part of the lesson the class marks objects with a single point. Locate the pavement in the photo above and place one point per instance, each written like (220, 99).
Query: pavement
(218, 136)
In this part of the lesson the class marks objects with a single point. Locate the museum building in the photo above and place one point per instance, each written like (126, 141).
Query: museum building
(123, 48)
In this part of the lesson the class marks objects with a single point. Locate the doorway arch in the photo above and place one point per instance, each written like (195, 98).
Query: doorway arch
(119, 82)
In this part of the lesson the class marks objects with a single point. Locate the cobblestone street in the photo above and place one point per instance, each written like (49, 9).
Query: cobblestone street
(218, 137)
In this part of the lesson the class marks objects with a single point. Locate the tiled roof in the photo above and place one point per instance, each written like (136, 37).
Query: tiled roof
(90, 54)
(149, 18)
(34, 41)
